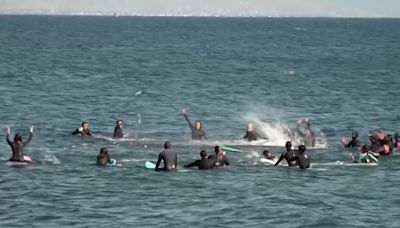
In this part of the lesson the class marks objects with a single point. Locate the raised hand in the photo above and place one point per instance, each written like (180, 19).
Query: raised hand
(8, 130)
(31, 129)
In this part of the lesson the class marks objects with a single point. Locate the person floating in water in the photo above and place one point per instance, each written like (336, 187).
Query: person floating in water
(268, 155)
(169, 157)
(289, 154)
(366, 156)
(18, 146)
(119, 130)
(203, 163)
(103, 159)
(308, 133)
(251, 134)
(219, 158)
(83, 130)
(303, 160)
(197, 130)
(355, 142)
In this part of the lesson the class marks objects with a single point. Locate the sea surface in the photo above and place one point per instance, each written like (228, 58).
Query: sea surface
(57, 71)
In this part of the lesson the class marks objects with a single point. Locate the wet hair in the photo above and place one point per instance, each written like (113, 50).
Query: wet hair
(302, 149)
(104, 150)
(216, 149)
(390, 138)
(203, 154)
(167, 145)
(83, 123)
(265, 152)
(18, 137)
(396, 136)
(198, 121)
(119, 121)
(288, 145)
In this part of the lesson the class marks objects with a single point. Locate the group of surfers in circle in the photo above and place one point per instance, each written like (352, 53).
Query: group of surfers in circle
(381, 144)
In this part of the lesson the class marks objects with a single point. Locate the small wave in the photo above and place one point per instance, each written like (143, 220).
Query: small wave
(50, 159)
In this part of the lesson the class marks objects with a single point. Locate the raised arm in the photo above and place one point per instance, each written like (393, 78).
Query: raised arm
(184, 112)
(8, 131)
(30, 137)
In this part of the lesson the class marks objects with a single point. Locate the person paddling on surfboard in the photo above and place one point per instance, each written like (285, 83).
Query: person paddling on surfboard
(169, 157)
(219, 158)
(250, 135)
(197, 130)
(83, 130)
(103, 159)
(203, 163)
(355, 142)
(289, 154)
(18, 146)
(118, 130)
(303, 160)
(268, 155)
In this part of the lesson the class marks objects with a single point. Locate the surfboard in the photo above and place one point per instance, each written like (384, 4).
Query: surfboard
(113, 162)
(230, 149)
(27, 161)
(268, 161)
(149, 165)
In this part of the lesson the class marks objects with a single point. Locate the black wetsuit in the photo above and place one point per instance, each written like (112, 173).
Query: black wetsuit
(170, 159)
(353, 143)
(18, 148)
(303, 160)
(204, 163)
(220, 160)
(250, 136)
(83, 132)
(118, 132)
(197, 134)
(103, 160)
(288, 155)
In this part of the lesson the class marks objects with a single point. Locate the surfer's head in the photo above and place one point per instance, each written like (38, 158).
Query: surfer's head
(302, 149)
(85, 125)
(197, 124)
(203, 154)
(119, 123)
(18, 137)
(250, 127)
(103, 151)
(267, 154)
(288, 145)
(354, 135)
(217, 149)
(167, 145)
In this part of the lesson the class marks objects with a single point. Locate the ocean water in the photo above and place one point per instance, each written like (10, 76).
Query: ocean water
(55, 72)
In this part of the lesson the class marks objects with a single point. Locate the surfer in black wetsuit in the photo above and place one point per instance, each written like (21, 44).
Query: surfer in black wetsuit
(289, 154)
(219, 158)
(250, 133)
(118, 130)
(302, 158)
(83, 130)
(103, 158)
(203, 163)
(197, 131)
(355, 142)
(18, 145)
(169, 157)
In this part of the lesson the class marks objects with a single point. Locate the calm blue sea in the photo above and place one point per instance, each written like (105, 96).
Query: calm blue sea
(57, 71)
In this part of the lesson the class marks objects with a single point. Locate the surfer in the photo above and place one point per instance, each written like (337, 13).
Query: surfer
(268, 155)
(219, 158)
(250, 133)
(289, 154)
(169, 157)
(366, 156)
(197, 130)
(83, 130)
(308, 133)
(380, 143)
(118, 130)
(103, 158)
(18, 146)
(203, 163)
(303, 160)
(355, 142)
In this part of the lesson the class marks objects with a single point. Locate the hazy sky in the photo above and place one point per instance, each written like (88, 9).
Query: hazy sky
(330, 8)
